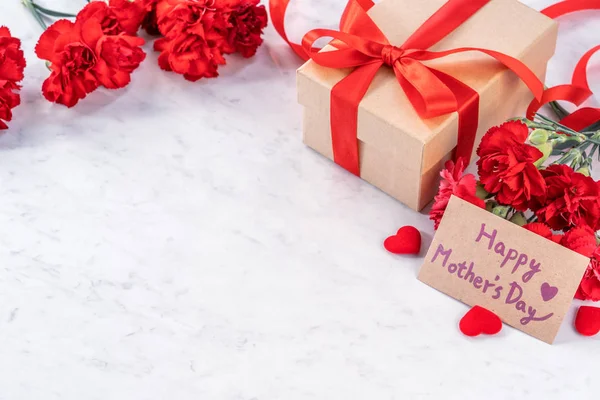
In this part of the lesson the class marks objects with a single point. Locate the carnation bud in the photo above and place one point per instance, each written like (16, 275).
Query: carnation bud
(501, 211)
(584, 170)
(481, 192)
(519, 219)
(539, 136)
(546, 149)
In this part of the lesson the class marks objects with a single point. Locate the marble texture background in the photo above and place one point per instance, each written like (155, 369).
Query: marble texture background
(178, 241)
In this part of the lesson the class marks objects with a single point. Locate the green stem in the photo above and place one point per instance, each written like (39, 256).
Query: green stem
(558, 110)
(51, 13)
(35, 13)
(557, 126)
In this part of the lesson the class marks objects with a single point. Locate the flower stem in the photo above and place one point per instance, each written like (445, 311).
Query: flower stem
(52, 13)
(35, 13)
(558, 110)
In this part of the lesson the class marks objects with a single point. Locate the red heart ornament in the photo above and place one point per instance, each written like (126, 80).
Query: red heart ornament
(587, 321)
(480, 320)
(406, 241)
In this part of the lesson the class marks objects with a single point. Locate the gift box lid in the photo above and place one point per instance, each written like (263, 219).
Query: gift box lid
(507, 26)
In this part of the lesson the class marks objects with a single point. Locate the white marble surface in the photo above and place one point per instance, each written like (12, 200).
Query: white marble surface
(177, 241)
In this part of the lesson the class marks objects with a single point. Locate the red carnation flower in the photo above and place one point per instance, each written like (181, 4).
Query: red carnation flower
(189, 55)
(72, 60)
(193, 17)
(506, 166)
(12, 65)
(149, 23)
(454, 183)
(583, 240)
(198, 32)
(118, 16)
(118, 57)
(572, 199)
(544, 231)
(589, 288)
(82, 57)
(245, 28)
(192, 41)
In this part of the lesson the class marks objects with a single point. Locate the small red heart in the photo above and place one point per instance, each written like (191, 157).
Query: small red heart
(480, 320)
(406, 241)
(587, 321)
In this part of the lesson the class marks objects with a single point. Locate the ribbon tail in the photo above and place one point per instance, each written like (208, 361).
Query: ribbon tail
(582, 118)
(570, 6)
(445, 20)
(580, 90)
(277, 9)
(527, 76)
(580, 73)
(345, 99)
(468, 115)
(570, 93)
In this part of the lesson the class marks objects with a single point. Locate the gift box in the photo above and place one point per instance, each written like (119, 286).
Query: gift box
(400, 152)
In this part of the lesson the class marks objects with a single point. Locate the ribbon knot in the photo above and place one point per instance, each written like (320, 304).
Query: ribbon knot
(390, 54)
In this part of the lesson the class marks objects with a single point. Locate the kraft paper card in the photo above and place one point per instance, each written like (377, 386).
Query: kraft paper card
(481, 259)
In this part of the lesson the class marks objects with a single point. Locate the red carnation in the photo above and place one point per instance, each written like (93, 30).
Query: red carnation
(191, 45)
(544, 231)
(118, 57)
(506, 166)
(572, 199)
(118, 16)
(12, 64)
(71, 63)
(583, 240)
(82, 57)
(198, 32)
(189, 55)
(589, 288)
(181, 17)
(245, 27)
(149, 23)
(454, 183)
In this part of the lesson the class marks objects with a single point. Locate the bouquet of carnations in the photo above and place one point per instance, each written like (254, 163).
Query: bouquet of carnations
(537, 175)
(100, 46)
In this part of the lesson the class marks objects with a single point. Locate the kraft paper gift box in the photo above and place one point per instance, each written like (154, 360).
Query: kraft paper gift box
(400, 153)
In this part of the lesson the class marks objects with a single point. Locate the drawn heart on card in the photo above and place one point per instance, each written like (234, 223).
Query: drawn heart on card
(548, 292)
(587, 321)
(480, 320)
(406, 241)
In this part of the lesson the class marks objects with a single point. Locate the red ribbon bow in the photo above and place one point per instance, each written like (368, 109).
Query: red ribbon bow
(431, 92)
(579, 91)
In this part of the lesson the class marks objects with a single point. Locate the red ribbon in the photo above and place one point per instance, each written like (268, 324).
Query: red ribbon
(360, 44)
(579, 89)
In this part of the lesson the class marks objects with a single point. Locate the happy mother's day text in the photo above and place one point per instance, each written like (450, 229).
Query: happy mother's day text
(522, 268)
